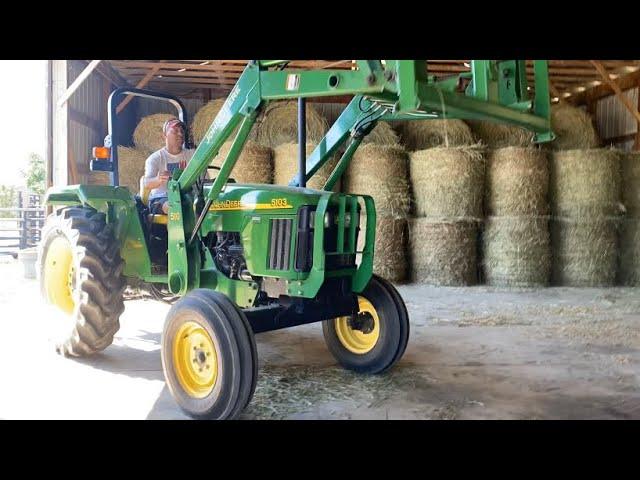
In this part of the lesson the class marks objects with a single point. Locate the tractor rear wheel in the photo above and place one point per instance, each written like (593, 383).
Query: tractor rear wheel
(80, 273)
(209, 356)
(377, 337)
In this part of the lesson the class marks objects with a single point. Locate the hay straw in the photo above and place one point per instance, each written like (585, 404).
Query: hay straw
(421, 134)
(630, 169)
(500, 135)
(584, 252)
(390, 250)
(278, 124)
(285, 159)
(516, 251)
(448, 182)
(573, 128)
(443, 252)
(131, 167)
(148, 134)
(629, 259)
(204, 118)
(517, 182)
(585, 183)
(255, 164)
(381, 171)
(382, 134)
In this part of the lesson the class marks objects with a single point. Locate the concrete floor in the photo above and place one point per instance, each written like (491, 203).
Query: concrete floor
(474, 353)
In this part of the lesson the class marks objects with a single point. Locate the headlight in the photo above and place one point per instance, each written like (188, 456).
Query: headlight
(328, 219)
(347, 220)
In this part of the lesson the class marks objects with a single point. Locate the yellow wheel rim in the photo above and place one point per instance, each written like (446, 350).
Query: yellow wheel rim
(59, 274)
(195, 360)
(354, 340)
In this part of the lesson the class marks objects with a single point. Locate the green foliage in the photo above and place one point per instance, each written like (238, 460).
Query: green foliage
(35, 175)
(8, 199)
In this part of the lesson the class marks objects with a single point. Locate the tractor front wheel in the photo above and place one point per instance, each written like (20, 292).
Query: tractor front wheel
(209, 356)
(375, 339)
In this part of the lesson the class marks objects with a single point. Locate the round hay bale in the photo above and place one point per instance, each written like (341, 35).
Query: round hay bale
(421, 134)
(629, 264)
(148, 133)
(630, 169)
(255, 164)
(382, 134)
(517, 182)
(131, 167)
(285, 159)
(584, 252)
(98, 178)
(278, 124)
(516, 251)
(443, 252)
(448, 182)
(204, 117)
(381, 171)
(390, 250)
(573, 128)
(585, 183)
(500, 135)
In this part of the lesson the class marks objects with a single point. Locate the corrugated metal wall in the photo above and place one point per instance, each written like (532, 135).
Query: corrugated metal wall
(614, 120)
(87, 100)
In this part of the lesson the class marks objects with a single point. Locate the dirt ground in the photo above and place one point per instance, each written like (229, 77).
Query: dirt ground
(474, 353)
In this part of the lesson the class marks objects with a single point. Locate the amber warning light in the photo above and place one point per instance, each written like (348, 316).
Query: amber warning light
(101, 152)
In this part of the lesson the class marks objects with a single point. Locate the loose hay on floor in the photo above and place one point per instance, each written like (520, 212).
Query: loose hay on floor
(422, 134)
(630, 169)
(517, 182)
(285, 159)
(584, 252)
(443, 252)
(573, 128)
(500, 135)
(278, 124)
(254, 165)
(148, 133)
(585, 183)
(382, 172)
(448, 182)
(516, 251)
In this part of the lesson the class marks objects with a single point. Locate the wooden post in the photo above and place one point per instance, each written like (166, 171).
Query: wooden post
(636, 146)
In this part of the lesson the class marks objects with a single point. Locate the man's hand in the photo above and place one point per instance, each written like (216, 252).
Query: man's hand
(163, 177)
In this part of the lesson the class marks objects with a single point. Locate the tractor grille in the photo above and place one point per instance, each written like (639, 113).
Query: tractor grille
(280, 243)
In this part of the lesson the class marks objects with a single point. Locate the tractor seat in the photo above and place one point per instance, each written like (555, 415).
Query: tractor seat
(158, 218)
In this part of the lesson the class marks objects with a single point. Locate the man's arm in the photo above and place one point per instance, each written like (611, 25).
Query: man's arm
(153, 177)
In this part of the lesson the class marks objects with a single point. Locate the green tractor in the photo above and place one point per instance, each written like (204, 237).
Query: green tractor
(239, 259)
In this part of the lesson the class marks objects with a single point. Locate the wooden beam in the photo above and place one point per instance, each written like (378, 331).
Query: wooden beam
(616, 88)
(625, 82)
(78, 81)
(86, 120)
(141, 84)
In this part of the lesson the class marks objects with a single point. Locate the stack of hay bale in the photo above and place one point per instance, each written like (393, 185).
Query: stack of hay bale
(447, 187)
(516, 246)
(255, 164)
(629, 259)
(381, 171)
(586, 202)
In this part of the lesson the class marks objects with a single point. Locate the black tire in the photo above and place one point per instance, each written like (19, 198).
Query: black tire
(235, 349)
(393, 335)
(99, 284)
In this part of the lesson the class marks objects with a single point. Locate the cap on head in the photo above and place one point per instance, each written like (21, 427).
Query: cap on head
(172, 122)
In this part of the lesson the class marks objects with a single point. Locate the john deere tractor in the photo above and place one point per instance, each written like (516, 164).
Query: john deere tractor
(241, 259)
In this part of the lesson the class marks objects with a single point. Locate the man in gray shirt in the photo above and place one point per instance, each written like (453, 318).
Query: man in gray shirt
(160, 165)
